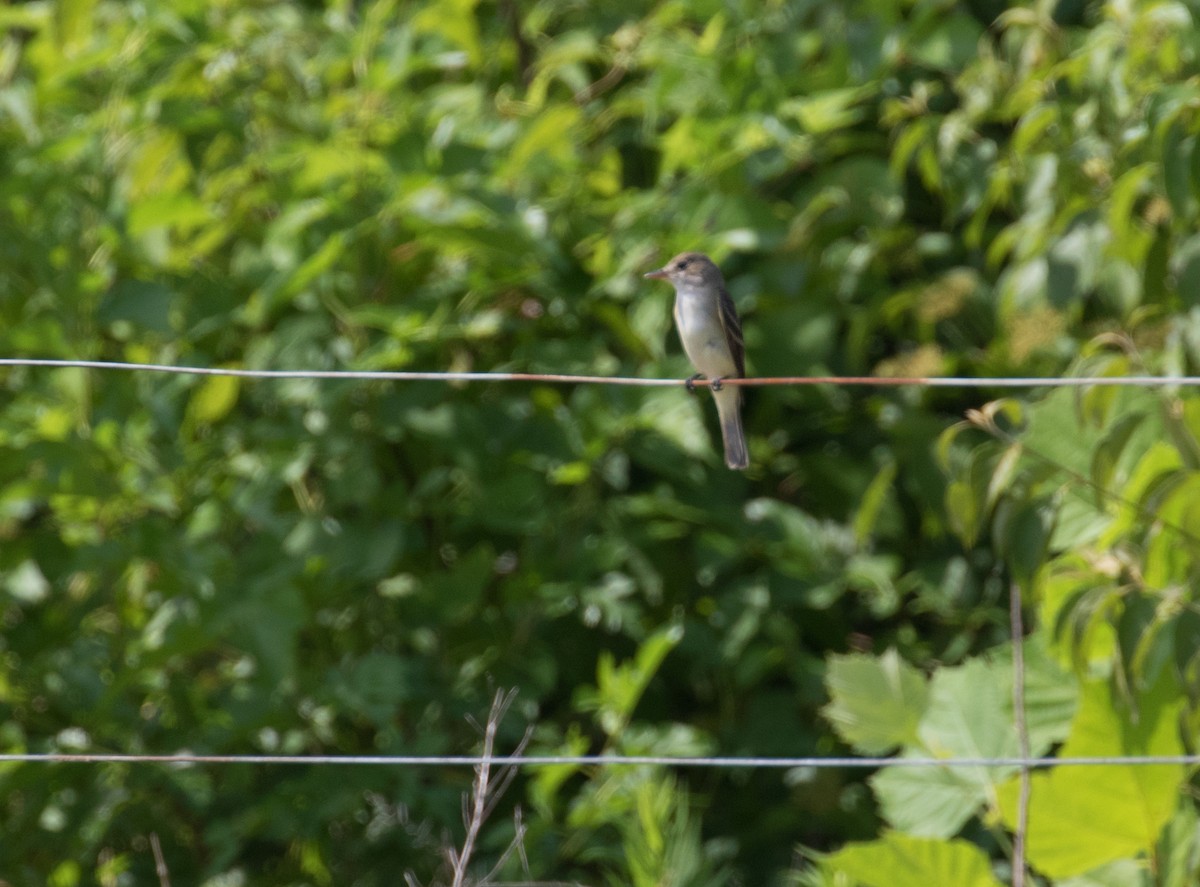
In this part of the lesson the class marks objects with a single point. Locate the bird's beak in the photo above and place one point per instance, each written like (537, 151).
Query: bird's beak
(660, 274)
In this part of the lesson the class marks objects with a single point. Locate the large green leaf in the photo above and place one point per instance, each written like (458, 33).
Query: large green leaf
(1084, 816)
(897, 860)
(968, 716)
(876, 703)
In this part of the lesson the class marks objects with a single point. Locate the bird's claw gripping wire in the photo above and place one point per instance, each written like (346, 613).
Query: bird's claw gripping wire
(716, 384)
(690, 384)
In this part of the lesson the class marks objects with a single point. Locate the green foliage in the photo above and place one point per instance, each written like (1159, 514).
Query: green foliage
(1083, 819)
(898, 860)
(305, 566)
(961, 712)
(876, 703)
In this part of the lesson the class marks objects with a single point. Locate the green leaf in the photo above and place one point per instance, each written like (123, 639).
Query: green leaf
(1002, 474)
(1186, 646)
(873, 501)
(550, 136)
(969, 715)
(1108, 451)
(1119, 873)
(1175, 855)
(1177, 150)
(455, 22)
(158, 166)
(1022, 536)
(899, 860)
(320, 262)
(1126, 191)
(1073, 260)
(1155, 270)
(620, 687)
(1051, 695)
(927, 802)
(1185, 265)
(826, 111)
(1083, 817)
(1171, 556)
(213, 400)
(876, 702)
(179, 213)
(963, 511)
(1033, 125)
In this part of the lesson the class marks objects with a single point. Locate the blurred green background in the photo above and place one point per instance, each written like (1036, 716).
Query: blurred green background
(224, 566)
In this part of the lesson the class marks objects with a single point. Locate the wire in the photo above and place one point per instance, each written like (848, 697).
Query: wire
(568, 379)
(612, 760)
(605, 761)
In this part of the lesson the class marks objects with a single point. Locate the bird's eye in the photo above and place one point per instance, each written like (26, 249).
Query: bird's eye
(684, 264)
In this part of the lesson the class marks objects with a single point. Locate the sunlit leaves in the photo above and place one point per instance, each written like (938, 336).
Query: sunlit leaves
(453, 21)
(876, 702)
(317, 565)
(213, 400)
(1116, 811)
(900, 860)
(963, 713)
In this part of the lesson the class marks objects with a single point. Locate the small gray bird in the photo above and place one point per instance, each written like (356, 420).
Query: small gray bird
(712, 337)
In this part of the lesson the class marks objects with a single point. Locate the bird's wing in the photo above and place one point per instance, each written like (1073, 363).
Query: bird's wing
(733, 331)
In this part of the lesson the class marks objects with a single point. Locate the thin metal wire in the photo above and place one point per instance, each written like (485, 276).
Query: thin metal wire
(610, 760)
(569, 379)
(605, 761)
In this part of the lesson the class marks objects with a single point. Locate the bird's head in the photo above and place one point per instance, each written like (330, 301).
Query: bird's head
(689, 270)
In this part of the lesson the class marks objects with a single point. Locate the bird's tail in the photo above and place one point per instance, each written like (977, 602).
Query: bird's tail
(729, 409)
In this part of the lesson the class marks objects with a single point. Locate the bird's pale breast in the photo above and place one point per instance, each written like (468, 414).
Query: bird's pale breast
(698, 318)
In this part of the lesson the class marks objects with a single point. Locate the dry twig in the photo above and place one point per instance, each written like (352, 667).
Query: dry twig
(486, 792)
(160, 863)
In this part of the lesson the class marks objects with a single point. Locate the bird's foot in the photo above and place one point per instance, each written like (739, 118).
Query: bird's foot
(690, 384)
(717, 384)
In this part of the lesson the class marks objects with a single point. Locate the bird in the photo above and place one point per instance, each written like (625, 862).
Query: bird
(712, 338)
